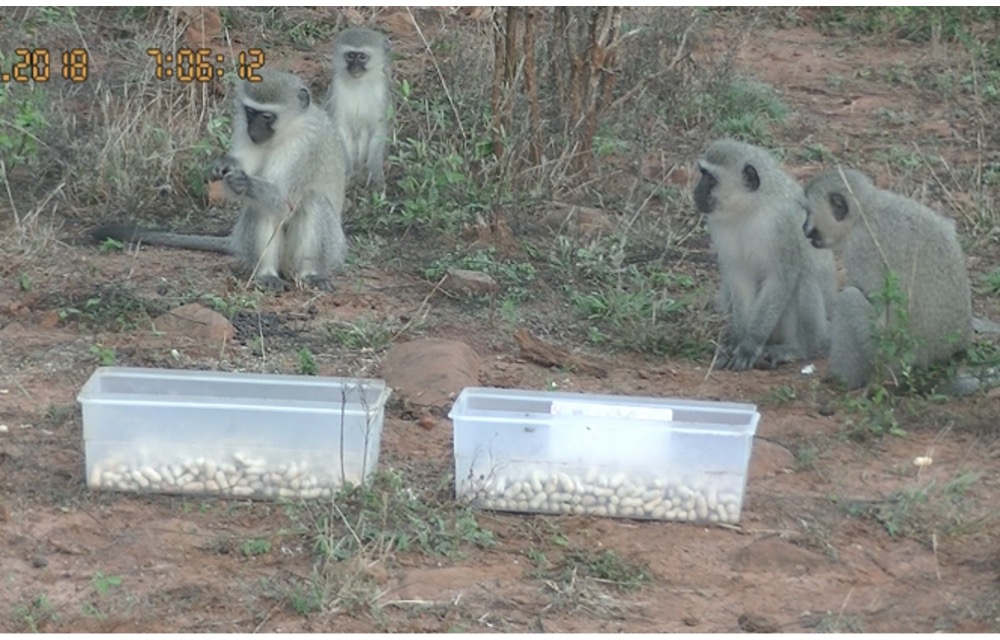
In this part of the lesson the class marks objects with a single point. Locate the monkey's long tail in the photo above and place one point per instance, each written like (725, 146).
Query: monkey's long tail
(129, 233)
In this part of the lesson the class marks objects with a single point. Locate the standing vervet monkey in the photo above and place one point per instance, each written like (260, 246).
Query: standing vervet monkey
(776, 289)
(358, 100)
(286, 168)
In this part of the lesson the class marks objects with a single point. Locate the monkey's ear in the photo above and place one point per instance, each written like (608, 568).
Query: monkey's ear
(304, 97)
(838, 204)
(750, 178)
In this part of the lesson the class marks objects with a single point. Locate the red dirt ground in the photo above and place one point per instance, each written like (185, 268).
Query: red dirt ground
(813, 550)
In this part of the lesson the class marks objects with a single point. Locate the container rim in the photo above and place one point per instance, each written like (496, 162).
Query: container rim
(90, 393)
(619, 400)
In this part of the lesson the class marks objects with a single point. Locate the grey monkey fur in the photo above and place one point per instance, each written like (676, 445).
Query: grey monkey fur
(880, 231)
(775, 289)
(358, 100)
(287, 170)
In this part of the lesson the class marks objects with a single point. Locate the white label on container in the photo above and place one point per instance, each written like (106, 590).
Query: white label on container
(593, 410)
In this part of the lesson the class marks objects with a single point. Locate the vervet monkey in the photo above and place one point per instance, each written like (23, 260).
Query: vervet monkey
(286, 168)
(776, 289)
(880, 231)
(358, 99)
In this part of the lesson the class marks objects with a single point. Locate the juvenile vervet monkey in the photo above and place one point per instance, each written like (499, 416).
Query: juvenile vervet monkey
(880, 231)
(358, 100)
(286, 168)
(776, 289)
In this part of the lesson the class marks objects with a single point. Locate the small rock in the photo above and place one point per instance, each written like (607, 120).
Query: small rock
(427, 422)
(195, 321)
(491, 229)
(49, 320)
(204, 25)
(768, 458)
(964, 384)
(583, 221)
(776, 555)
(39, 561)
(680, 176)
(430, 372)
(478, 14)
(468, 282)
(752, 623)
(216, 193)
(399, 24)
(938, 128)
(985, 325)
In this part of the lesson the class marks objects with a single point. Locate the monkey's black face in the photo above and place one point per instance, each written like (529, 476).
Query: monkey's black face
(813, 233)
(703, 198)
(357, 62)
(260, 124)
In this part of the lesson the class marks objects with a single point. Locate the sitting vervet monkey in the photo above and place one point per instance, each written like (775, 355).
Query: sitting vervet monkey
(358, 100)
(880, 231)
(287, 169)
(775, 288)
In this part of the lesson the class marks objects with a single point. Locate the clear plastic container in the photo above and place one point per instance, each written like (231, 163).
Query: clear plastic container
(621, 456)
(239, 434)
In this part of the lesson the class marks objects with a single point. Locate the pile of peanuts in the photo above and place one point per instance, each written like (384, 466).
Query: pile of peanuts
(605, 495)
(242, 476)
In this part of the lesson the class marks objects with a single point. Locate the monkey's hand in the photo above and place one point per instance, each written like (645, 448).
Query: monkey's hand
(223, 167)
(229, 170)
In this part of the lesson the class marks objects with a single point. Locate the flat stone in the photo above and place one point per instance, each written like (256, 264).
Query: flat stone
(431, 372)
(195, 321)
(468, 282)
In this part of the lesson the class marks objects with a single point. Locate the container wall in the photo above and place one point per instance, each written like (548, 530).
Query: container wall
(662, 459)
(276, 426)
(179, 432)
(566, 488)
(239, 471)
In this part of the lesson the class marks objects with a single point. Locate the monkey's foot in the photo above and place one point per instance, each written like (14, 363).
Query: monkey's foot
(778, 354)
(742, 358)
(320, 283)
(271, 283)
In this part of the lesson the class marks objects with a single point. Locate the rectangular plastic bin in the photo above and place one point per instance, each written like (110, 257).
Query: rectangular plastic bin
(236, 434)
(622, 456)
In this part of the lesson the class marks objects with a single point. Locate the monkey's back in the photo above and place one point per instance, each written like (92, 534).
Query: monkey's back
(922, 249)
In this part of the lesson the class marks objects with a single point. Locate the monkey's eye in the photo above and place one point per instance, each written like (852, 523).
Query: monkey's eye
(268, 116)
(251, 112)
(363, 57)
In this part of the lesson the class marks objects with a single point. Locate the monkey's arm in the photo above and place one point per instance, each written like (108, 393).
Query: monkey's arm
(269, 195)
(724, 304)
(852, 351)
(771, 302)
